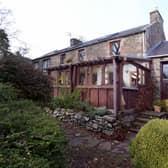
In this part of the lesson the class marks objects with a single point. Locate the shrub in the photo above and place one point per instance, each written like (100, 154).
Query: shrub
(29, 137)
(66, 100)
(32, 83)
(162, 103)
(7, 93)
(149, 149)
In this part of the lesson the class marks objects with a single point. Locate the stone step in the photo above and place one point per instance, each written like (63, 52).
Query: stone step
(137, 123)
(153, 114)
(135, 130)
(142, 119)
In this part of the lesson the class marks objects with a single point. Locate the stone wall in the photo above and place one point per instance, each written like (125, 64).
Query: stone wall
(132, 45)
(129, 46)
(156, 76)
(106, 124)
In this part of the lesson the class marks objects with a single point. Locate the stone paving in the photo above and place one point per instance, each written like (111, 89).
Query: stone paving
(87, 150)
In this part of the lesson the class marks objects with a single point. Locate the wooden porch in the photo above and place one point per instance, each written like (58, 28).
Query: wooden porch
(115, 82)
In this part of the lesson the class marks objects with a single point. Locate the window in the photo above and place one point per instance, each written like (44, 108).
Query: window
(165, 71)
(82, 76)
(36, 65)
(141, 77)
(81, 55)
(130, 75)
(115, 48)
(45, 65)
(62, 59)
(63, 78)
(109, 74)
(96, 75)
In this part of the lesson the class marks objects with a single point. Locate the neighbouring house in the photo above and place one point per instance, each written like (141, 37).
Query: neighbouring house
(124, 70)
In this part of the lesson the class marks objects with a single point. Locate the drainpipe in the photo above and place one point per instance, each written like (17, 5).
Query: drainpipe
(115, 96)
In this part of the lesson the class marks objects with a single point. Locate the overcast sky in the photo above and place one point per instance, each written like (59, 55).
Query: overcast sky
(45, 24)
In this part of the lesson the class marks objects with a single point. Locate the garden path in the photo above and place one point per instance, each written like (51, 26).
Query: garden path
(88, 150)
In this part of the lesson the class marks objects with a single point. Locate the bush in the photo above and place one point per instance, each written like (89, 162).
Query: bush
(7, 93)
(149, 149)
(162, 103)
(66, 100)
(32, 83)
(29, 137)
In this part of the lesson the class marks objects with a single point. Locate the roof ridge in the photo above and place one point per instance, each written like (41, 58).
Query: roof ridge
(116, 35)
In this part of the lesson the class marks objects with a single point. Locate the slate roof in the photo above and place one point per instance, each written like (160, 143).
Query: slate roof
(160, 49)
(117, 35)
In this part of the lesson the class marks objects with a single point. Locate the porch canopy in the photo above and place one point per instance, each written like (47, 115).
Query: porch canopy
(116, 82)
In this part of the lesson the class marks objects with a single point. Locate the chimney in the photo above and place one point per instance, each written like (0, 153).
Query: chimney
(74, 42)
(155, 16)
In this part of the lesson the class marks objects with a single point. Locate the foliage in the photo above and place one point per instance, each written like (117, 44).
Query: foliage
(29, 137)
(32, 83)
(4, 42)
(162, 103)
(150, 146)
(157, 102)
(72, 101)
(7, 93)
(66, 100)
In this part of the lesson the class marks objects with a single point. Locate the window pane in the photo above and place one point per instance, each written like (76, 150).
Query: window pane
(45, 64)
(63, 78)
(82, 76)
(165, 71)
(62, 59)
(130, 75)
(96, 75)
(81, 55)
(141, 77)
(36, 65)
(60, 79)
(109, 74)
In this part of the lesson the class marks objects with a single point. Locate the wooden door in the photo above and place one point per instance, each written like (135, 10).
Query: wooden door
(164, 81)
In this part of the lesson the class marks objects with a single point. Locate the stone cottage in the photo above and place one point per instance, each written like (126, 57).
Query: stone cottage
(127, 69)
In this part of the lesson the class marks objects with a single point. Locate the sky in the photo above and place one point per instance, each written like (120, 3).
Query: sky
(47, 25)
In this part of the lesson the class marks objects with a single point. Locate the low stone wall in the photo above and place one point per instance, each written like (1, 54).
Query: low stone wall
(106, 124)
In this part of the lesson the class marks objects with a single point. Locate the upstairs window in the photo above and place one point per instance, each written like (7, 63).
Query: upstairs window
(62, 58)
(97, 75)
(81, 55)
(36, 65)
(115, 48)
(109, 74)
(165, 71)
(45, 65)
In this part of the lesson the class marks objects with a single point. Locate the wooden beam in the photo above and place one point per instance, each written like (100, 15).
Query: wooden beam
(115, 98)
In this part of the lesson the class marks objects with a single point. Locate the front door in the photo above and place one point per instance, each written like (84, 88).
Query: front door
(164, 80)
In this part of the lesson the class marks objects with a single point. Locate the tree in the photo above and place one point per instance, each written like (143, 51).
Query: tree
(4, 43)
(8, 35)
(32, 83)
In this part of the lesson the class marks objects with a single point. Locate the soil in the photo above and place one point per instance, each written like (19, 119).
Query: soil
(89, 150)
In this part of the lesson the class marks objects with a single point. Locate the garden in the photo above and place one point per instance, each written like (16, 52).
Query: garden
(30, 136)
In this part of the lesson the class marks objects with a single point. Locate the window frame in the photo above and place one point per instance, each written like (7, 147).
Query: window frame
(62, 58)
(47, 61)
(83, 55)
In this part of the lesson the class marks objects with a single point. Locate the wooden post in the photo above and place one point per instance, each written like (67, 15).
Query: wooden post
(115, 96)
